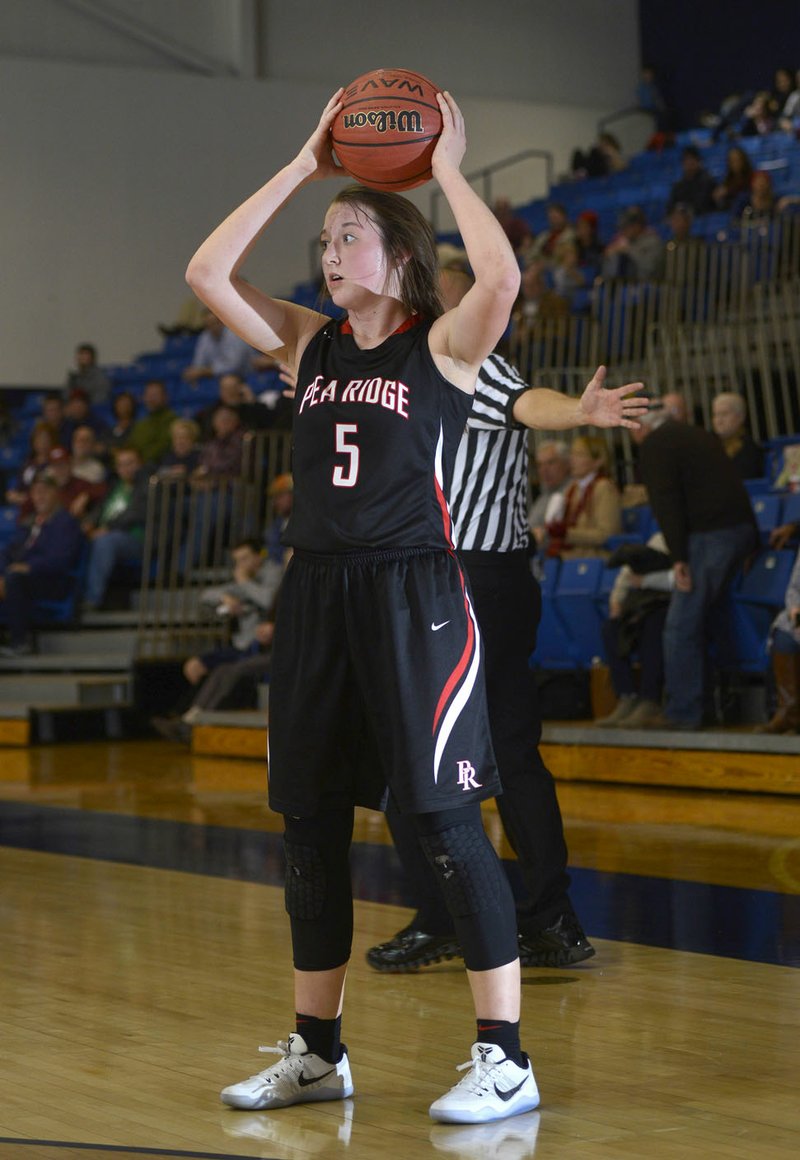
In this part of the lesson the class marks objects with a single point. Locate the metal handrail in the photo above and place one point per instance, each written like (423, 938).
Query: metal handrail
(486, 173)
(609, 118)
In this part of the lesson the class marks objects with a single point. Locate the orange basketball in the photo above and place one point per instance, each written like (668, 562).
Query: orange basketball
(387, 129)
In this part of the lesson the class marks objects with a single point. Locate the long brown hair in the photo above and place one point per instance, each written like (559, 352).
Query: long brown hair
(409, 241)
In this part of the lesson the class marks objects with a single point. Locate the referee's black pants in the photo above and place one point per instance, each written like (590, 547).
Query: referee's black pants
(507, 602)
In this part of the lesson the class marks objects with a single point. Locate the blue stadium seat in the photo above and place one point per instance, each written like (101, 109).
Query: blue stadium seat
(790, 512)
(576, 603)
(758, 486)
(555, 648)
(12, 458)
(8, 523)
(767, 510)
(756, 596)
(64, 611)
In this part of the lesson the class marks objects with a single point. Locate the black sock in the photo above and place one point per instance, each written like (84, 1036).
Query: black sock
(322, 1036)
(505, 1035)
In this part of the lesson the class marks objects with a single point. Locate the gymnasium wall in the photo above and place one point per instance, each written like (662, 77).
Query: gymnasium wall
(112, 173)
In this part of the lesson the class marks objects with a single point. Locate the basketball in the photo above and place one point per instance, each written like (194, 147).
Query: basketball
(387, 129)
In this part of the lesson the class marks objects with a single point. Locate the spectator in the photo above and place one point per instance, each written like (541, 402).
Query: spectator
(183, 457)
(696, 187)
(218, 352)
(567, 276)
(587, 239)
(246, 600)
(603, 158)
(124, 407)
(53, 416)
(707, 519)
(536, 301)
(636, 253)
(783, 92)
(760, 204)
(789, 116)
(88, 376)
(78, 413)
(150, 434)
(75, 495)
(117, 534)
(36, 565)
(543, 246)
(553, 472)
(728, 419)
(42, 442)
(85, 463)
(516, 228)
(680, 222)
(234, 392)
(220, 462)
(734, 189)
(650, 98)
(785, 653)
(674, 406)
(592, 510)
(637, 610)
(221, 457)
(758, 116)
(281, 492)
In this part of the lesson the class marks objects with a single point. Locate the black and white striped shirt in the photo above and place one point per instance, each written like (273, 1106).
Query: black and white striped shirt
(489, 492)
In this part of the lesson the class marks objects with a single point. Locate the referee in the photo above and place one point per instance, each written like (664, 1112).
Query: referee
(488, 504)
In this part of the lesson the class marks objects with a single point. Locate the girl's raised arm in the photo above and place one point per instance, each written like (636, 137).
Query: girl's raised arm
(269, 324)
(471, 331)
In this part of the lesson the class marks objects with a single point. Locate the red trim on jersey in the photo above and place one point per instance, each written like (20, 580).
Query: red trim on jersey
(414, 320)
(460, 668)
(447, 523)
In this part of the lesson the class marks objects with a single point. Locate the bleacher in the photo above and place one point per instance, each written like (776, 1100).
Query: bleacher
(728, 321)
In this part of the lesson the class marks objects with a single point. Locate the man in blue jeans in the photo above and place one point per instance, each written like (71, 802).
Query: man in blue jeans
(704, 511)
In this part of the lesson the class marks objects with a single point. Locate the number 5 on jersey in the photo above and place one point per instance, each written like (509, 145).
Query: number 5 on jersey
(346, 476)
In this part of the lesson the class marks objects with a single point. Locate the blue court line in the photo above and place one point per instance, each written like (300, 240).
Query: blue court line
(125, 1150)
(758, 925)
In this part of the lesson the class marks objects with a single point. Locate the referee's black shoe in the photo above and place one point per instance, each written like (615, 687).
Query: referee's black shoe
(411, 949)
(562, 944)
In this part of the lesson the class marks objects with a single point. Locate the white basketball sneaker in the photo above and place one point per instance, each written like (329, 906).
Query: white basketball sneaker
(298, 1077)
(493, 1088)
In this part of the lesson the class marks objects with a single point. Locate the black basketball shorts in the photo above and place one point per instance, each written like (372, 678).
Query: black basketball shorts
(377, 683)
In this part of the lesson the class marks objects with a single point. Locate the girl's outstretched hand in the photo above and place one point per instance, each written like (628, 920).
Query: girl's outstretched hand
(452, 144)
(316, 156)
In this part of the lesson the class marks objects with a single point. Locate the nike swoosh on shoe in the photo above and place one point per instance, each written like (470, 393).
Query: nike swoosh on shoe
(507, 1095)
(307, 1081)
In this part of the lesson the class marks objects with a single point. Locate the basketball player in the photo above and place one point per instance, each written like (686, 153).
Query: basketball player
(488, 501)
(377, 668)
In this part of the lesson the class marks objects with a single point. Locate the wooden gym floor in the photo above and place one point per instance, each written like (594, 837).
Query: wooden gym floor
(145, 956)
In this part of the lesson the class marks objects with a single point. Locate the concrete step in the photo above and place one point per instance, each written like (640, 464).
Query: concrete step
(93, 662)
(119, 642)
(101, 690)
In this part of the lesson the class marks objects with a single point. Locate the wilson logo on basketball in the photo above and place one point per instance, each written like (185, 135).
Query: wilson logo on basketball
(385, 120)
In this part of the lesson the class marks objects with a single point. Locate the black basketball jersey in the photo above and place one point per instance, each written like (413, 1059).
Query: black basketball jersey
(375, 439)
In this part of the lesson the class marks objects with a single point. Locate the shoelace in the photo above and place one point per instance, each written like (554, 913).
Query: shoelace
(282, 1048)
(482, 1075)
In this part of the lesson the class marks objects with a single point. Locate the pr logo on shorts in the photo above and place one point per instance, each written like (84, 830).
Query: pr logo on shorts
(467, 776)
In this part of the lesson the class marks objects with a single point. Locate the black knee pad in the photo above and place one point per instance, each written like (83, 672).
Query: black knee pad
(306, 881)
(470, 873)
